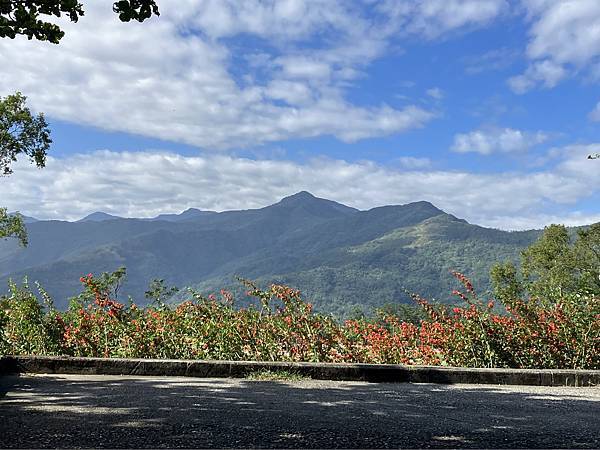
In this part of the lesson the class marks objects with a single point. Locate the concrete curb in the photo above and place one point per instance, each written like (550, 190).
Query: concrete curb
(321, 371)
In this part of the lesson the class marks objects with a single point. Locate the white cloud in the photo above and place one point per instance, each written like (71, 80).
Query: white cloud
(564, 40)
(497, 59)
(292, 92)
(435, 93)
(174, 78)
(280, 20)
(548, 73)
(594, 114)
(304, 67)
(565, 30)
(113, 182)
(413, 163)
(538, 221)
(495, 140)
(189, 75)
(434, 18)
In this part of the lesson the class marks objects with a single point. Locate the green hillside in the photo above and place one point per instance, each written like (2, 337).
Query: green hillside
(417, 258)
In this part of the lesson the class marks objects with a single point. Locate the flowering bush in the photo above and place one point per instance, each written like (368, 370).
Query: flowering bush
(531, 333)
(525, 334)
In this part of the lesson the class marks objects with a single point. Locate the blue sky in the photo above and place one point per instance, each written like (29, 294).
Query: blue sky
(486, 108)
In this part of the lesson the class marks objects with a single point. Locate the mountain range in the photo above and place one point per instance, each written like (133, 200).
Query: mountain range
(340, 257)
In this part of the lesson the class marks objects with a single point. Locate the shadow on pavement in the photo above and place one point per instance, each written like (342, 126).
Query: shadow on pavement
(116, 412)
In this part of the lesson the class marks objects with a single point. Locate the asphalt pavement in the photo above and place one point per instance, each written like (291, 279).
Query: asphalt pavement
(83, 411)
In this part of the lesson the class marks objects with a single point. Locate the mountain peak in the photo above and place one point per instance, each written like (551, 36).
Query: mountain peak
(425, 205)
(98, 216)
(307, 203)
(192, 211)
(299, 196)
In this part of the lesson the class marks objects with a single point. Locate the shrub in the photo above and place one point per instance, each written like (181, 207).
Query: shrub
(531, 333)
(28, 325)
(528, 334)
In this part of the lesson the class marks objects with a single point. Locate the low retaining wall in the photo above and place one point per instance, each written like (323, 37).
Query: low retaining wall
(321, 371)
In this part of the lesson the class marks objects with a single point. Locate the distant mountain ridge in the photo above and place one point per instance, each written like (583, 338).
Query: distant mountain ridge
(188, 214)
(100, 216)
(339, 256)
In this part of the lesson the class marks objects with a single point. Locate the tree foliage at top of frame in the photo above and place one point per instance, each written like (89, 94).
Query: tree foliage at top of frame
(30, 17)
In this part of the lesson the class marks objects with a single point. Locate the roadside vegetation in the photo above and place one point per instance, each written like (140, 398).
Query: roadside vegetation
(276, 375)
(545, 314)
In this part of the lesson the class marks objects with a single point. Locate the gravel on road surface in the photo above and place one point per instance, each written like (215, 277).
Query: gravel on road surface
(49, 411)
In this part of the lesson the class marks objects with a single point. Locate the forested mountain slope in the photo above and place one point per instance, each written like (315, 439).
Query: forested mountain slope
(339, 256)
